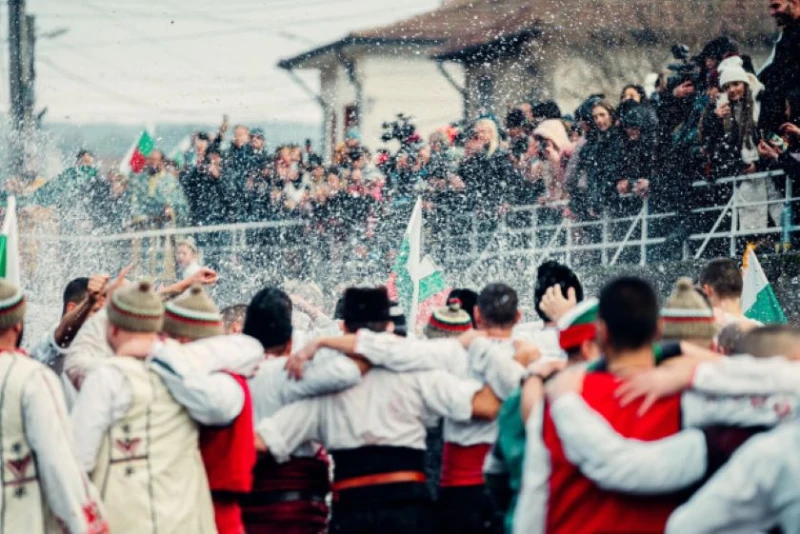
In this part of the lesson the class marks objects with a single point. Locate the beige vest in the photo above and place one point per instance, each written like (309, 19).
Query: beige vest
(149, 470)
(23, 507)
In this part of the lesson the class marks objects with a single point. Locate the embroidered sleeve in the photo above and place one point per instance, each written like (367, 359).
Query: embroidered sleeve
(68, 492)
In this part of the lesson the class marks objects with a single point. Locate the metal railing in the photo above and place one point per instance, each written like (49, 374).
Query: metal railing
(640, 238)
(471, 249)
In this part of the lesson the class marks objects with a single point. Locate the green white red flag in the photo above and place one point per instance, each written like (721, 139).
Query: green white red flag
(416, 283)
(759, 301)
(136, 157)
(9, 245)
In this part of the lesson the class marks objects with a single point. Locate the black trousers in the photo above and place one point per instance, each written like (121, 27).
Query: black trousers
(467, 510)
(409, 517)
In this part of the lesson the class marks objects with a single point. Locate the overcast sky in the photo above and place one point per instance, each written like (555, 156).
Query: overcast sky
(185, 60)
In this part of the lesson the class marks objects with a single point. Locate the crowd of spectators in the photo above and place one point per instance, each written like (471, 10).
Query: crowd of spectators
(709, 116)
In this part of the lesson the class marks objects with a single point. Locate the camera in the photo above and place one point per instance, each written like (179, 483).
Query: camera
(402, 129)
(686, 70)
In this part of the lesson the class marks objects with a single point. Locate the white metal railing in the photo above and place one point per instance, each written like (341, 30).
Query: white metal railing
(607, 239)
(526, 235)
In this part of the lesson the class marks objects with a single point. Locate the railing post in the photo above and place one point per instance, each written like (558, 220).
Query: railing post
(645, 220)
(734, 222)
(569, 241)
(604, 239)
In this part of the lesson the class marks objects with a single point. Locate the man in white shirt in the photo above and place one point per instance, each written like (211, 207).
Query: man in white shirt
(411, 392)
(137, 441)
(375, 431)
(288, 496)
(44, 483)
(755, 489)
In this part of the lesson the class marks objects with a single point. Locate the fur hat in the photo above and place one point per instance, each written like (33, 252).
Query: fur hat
(136, 308)
(366, 305)
(193, 315)
(12, 305)
(448, 321)
(687, 314)
(732, 70)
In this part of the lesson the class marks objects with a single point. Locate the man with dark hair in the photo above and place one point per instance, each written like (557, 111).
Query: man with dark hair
(556, 291)
(616, 444)
(233, 318)
(497, 307)
(83, 297)
(375, 431)
(721, 281)
(288, 497)
(491, 361)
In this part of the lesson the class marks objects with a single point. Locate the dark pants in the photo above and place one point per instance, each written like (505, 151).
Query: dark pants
(467, 510)
(410, 517)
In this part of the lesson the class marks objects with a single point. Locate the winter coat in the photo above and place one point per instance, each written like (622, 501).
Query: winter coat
(205, 196)
(729, 154)
(490, 180)
(681, 159)
(780, 75)
(600, 160)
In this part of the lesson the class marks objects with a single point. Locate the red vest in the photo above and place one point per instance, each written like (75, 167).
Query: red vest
(575, 504)
(229, 452)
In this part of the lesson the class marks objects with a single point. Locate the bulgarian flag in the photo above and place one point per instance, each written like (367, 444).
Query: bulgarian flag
(136, 157)
(416, 283)
(9, 245)
(758, 299)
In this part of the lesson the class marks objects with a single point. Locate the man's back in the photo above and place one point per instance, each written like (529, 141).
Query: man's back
(576, 504)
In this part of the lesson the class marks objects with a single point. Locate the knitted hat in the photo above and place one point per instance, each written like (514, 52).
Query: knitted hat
(194, 316)
(448, 321)
(553, 130)
(366, 305)
(732, 70)
(687, 315)
(12, 305)
(578, 325)
(136, 308)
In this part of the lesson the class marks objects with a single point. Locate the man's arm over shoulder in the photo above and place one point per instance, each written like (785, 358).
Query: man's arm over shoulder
(617, 463)
(291, 426)
(89, 348)
(105, 398)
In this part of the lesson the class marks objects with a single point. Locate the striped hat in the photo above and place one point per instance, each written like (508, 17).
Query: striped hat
(687, 314)
(12, 305)
(193, 316)
(578, 325)
(448, 321)
(136, 308)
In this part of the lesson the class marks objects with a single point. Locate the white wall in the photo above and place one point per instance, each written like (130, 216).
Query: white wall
(402, 81)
